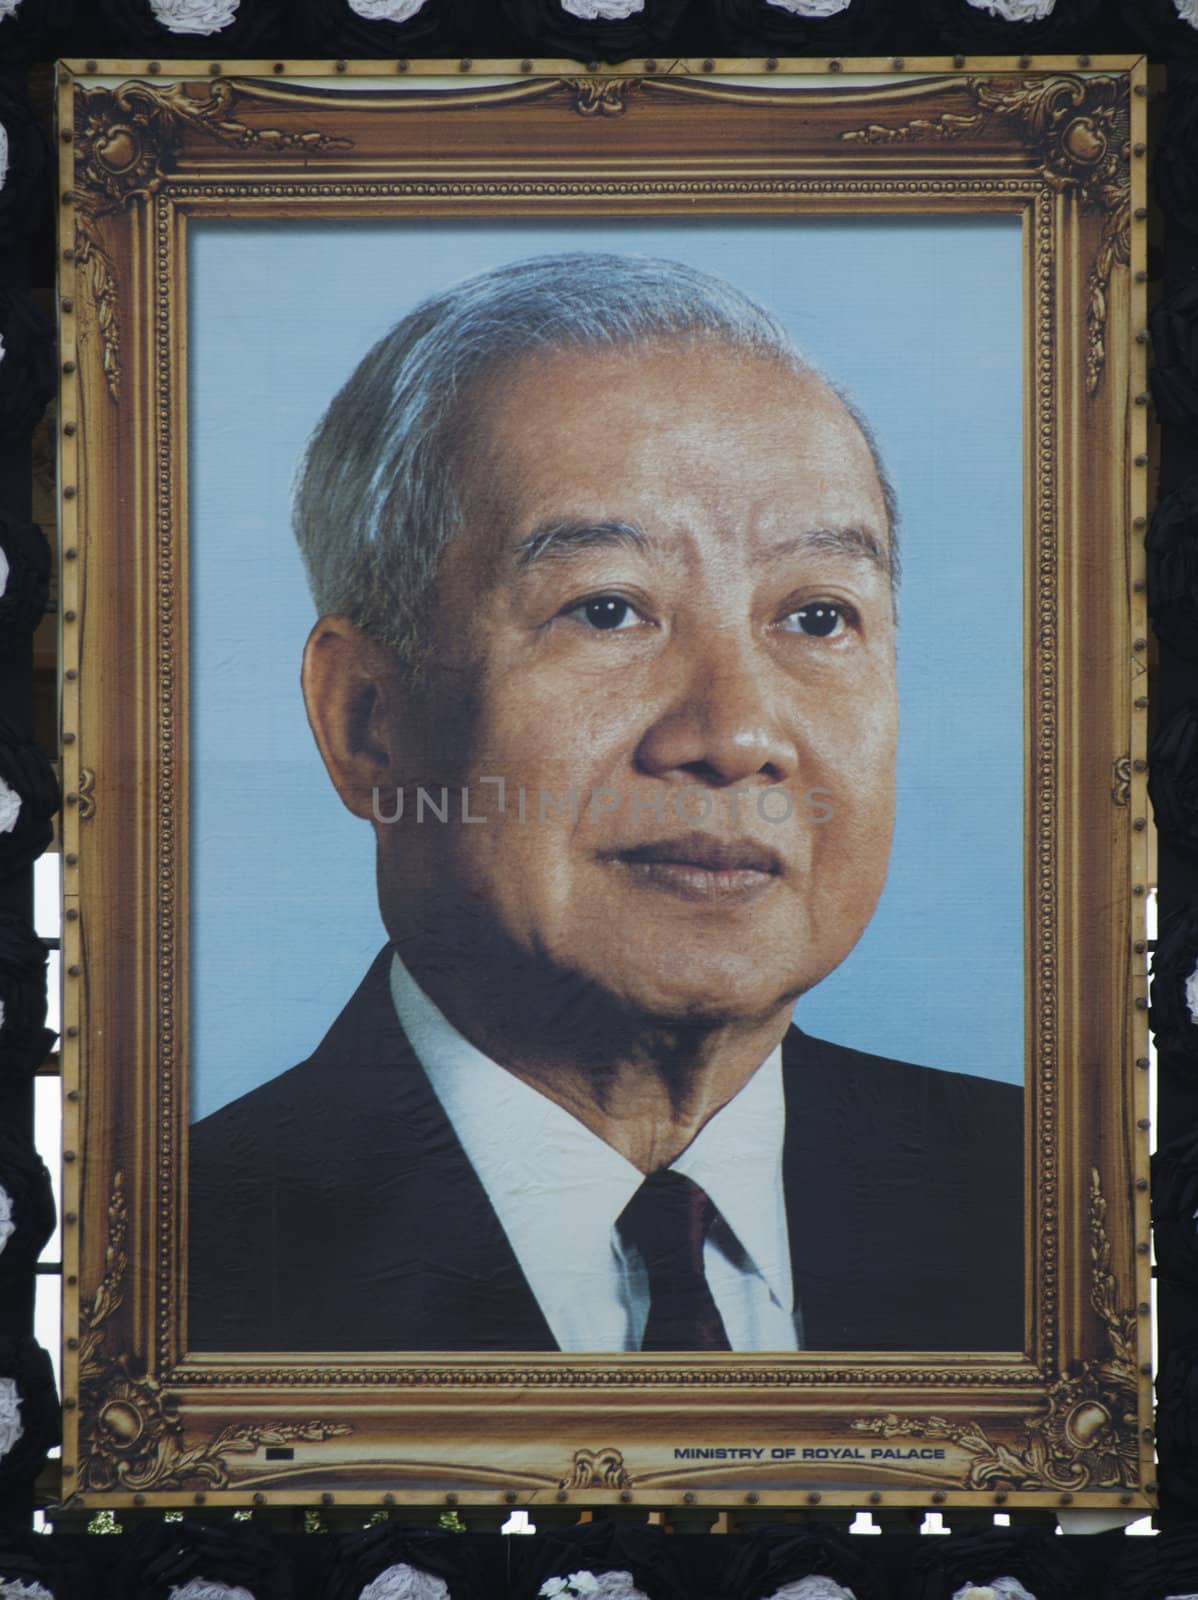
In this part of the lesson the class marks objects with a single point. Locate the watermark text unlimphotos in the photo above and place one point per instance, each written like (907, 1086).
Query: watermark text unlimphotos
(689, 803)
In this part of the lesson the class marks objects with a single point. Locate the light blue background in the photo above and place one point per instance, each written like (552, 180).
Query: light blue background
(920, 320)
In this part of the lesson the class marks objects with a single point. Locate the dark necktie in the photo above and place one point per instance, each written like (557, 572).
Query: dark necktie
(668, 1220)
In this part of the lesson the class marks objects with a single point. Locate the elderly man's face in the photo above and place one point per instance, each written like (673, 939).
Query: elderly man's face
(668, 628)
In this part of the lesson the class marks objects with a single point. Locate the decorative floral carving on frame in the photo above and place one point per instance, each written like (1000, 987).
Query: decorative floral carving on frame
(1086, 1437)
(601, 97)
(130, 1435)
(87, 794)
(126, 140)
(1079, 128)
(1121, 788)
(597, 1469)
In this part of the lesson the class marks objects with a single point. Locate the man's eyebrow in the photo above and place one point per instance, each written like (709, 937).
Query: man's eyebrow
(857, 543)
(564, 538)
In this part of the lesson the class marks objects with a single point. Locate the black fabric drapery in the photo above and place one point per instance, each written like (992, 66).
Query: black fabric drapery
(757, 28)
(163, 1556)
(24, 1037)
(1039, 1561)
(779, 1555)
(1177, 1425)
(25, 588)
(1172, 551)
(1175, 168)
(1173, 780)
(545, 27)
(267, 26)
(28, 777)
(26, 1365)
(28, 376)
(958, 25)
(26, 1185)
(438, 28)
(1175, 1211)
(470, 1567)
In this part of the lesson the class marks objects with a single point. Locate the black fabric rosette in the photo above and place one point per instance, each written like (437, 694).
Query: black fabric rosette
(24, 1037)
(25, 192)
(43, 1565)
(1176, 165)
(35, 28)
(471, 1569)
(761, 28)
(1177, 1425)
(1039, 1561)
(972, 30)
(28, 376)
(24, 582)
(1160, 27)
(165, 1556)
(1174, 374)
(1149, 1569)
(26, 1203)
(186, 27)
(775, 1556)
(658, 1569)
(1174, 965)
(1175, 1210)
(545, 27)
(29, 1416)
(435, 28)
(1173, 780)
(28, 800)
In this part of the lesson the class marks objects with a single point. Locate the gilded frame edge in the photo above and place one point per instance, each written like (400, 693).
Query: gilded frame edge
(78, 470)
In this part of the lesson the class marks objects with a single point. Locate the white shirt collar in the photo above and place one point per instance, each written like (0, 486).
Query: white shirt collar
(737, 1157)
(558, 1189)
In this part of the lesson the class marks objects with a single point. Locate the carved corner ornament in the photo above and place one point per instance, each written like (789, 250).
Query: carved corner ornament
(131, 1438)
(126, 142)
(1079, 128)
(1086, 1437)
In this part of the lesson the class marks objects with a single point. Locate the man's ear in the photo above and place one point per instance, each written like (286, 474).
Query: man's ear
(351, 688)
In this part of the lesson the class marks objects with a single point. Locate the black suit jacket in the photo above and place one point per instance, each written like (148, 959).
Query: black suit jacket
(334, 1209)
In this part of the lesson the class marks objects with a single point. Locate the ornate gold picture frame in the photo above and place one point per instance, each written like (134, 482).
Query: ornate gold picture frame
(150, 153)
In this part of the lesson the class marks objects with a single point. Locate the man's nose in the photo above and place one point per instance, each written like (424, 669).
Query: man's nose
(722, 720)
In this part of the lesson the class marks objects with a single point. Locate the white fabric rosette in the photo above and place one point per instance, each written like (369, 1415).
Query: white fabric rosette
(602, 10)
(10, 1415)
(208, 1589)
(18, 1589)
(816, 1586)
(1016, 10)
(593, 1586)
(405, 1582)
(996, 1589)
(194, 16)
(387, 11)
(811, 8)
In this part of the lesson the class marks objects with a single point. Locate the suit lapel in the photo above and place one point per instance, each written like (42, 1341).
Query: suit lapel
(420, 1242)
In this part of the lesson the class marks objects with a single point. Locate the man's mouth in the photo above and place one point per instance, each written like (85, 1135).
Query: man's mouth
(698, 866)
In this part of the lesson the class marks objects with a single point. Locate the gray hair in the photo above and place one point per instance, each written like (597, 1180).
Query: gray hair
(379, 494)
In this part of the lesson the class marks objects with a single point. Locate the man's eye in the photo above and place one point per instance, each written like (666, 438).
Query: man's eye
(607, 612)
(819, 620)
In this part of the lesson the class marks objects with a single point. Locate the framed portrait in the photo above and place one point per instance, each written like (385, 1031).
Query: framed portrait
(605, 849)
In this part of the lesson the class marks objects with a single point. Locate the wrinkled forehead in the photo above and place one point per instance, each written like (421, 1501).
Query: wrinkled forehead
(672, 440)
(709, 382)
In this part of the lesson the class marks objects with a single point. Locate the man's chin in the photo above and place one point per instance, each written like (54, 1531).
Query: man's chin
(690, 998)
